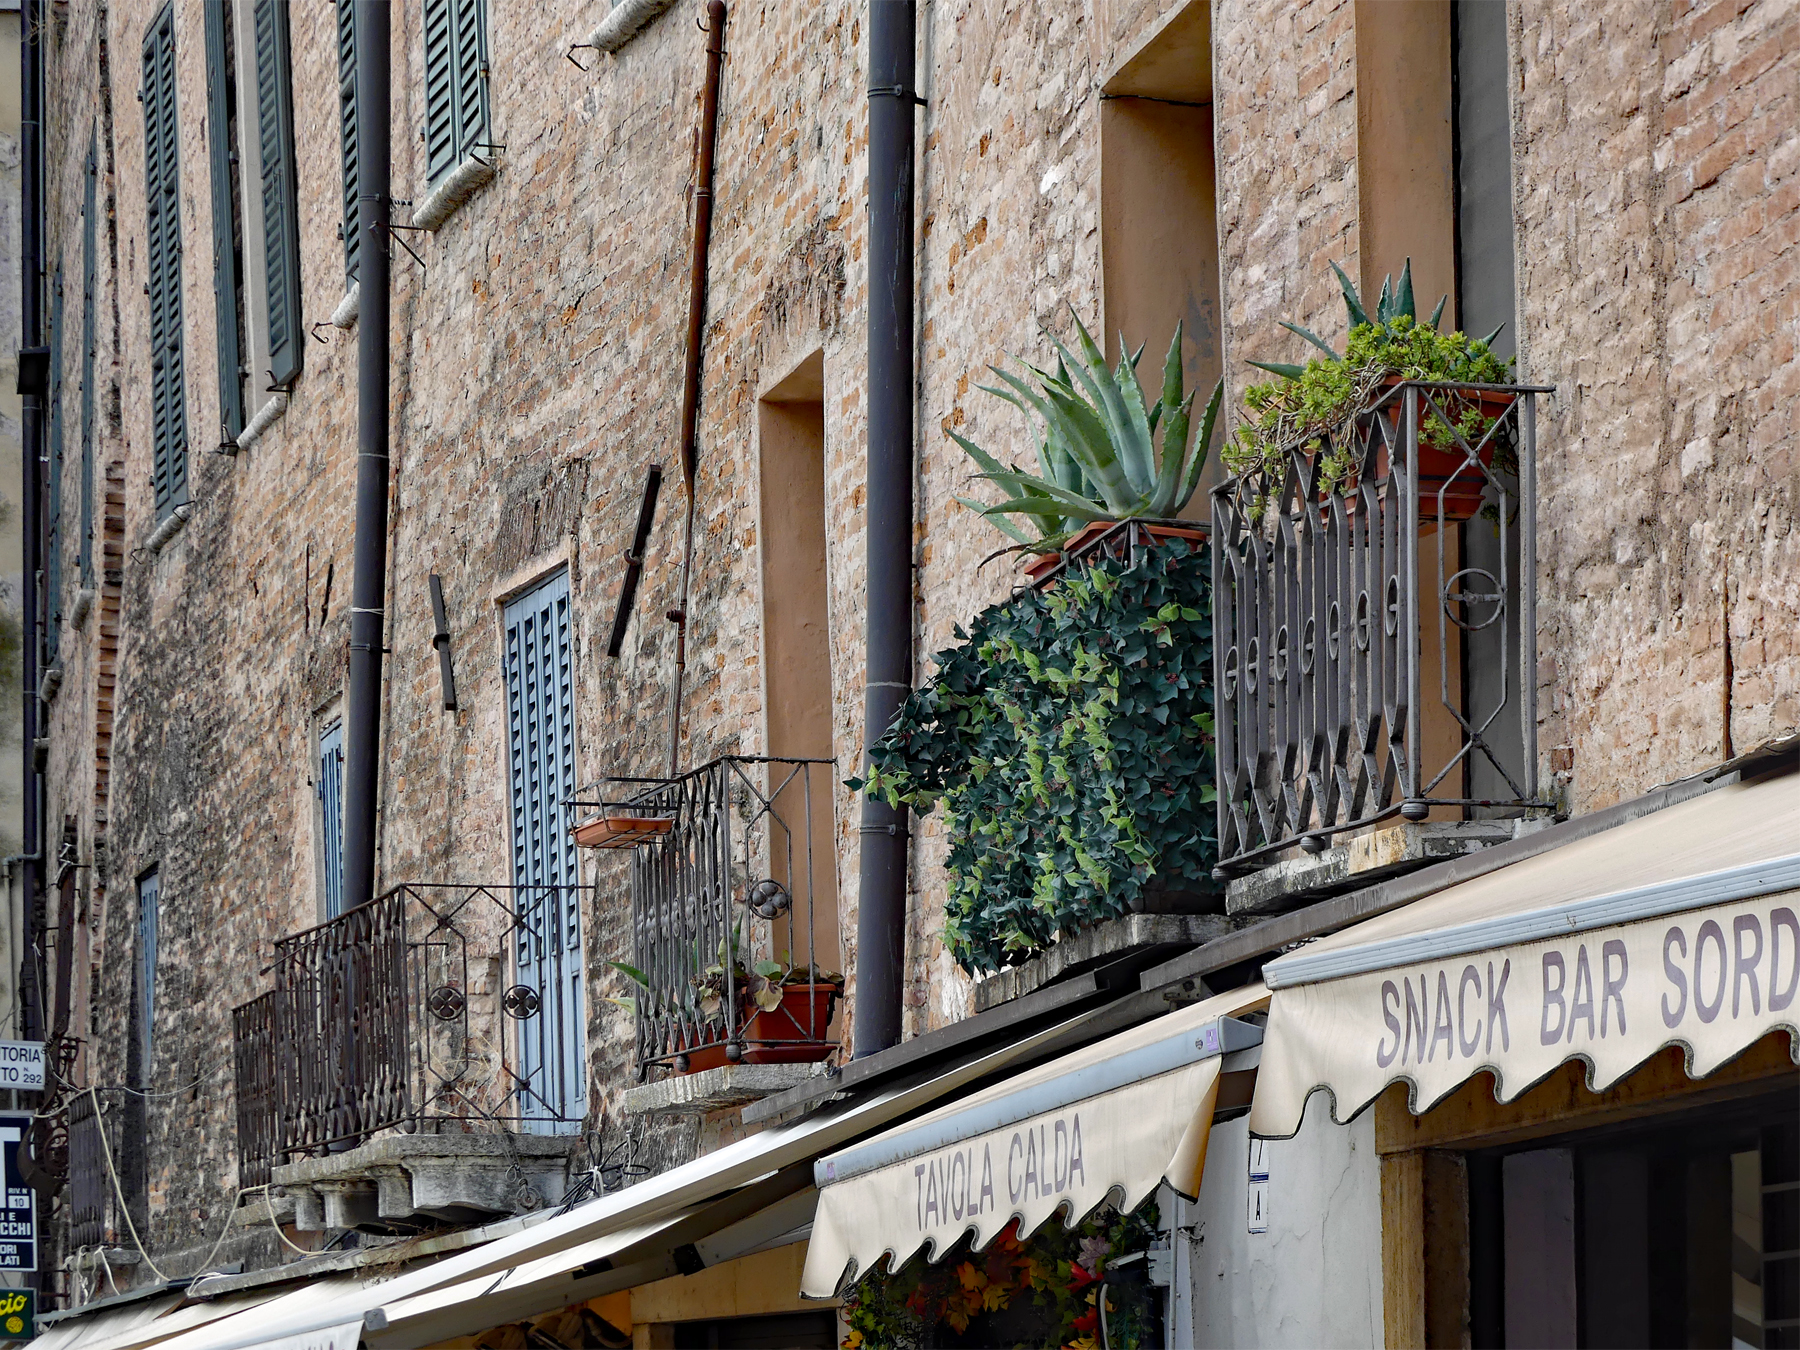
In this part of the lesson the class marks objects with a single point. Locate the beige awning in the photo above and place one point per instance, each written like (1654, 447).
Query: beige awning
(1678, 928)
(716, 1181)
(1113, 1119)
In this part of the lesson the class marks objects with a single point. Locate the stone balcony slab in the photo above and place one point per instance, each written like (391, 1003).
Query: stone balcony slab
(729, 1085)
(1140, 939)
(400, 1181)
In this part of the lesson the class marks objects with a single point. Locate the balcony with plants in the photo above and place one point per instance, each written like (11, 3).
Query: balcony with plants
(1066, 739)
(1374, 593)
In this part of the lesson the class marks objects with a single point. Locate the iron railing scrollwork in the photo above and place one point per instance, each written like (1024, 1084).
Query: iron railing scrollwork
(1375, 629)
(403, 1013)
(726, 875)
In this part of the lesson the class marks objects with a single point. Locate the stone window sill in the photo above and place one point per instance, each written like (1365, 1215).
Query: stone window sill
(460, 184)
(624, 21)
(266, 417)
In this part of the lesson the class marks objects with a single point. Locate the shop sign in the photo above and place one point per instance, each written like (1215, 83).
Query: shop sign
(18, 1212)
(18, 1314)
(1712, 980)
(22, 1065)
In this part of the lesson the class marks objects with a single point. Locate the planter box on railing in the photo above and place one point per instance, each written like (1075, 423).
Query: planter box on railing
(1375, 637)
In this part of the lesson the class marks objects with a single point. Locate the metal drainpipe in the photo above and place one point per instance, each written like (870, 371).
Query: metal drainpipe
(31, 62)
(696, 336)
(881, 908)
(368, 587)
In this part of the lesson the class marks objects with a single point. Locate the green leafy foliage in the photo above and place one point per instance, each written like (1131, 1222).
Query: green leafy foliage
(1308, 403)
(1068, 736)
(1099, 453)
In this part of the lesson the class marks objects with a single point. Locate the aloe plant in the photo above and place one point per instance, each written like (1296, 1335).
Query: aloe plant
(1099, 453)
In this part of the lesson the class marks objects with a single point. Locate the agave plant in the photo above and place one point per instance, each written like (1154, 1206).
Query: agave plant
(1393, 302)
(1099, 453)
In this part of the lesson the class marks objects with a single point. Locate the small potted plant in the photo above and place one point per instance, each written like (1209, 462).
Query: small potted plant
(1104, 454)
(1316, 404)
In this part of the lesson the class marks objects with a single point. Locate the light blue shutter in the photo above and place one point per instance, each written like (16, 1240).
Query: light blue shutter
(281, 224)
(540, 717)
(162, 248)
(456, 96)
(88, 276)
(219, 142)
(53, 541)
(346, 36)
(331, 817)
(149, 901)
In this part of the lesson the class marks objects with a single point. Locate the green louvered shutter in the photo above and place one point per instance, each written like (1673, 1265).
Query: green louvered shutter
(162, 248)
(471, 77)
(281, 222)
(220, 98)
(456, 99)
(88, 276)
(53, 526)
(346, 27)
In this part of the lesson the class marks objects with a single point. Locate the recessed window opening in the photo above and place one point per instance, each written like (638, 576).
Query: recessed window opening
(330, 790)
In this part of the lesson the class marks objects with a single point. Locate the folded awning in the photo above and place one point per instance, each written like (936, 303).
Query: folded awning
(1678, 928)
(88, 1328)
(751, 1171)
(1115, 1119)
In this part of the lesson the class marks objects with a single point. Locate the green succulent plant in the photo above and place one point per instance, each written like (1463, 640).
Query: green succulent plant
(1315, 399)
(1100, 456)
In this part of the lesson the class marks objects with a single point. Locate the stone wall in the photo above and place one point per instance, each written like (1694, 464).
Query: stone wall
(536, 375)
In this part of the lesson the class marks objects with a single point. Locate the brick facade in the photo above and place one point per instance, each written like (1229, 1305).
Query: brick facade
(536, 375)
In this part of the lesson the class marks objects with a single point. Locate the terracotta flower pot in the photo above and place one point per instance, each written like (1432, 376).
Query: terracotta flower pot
(793, 1033)
(1438, 469)
(621, 831)
(1044, 563)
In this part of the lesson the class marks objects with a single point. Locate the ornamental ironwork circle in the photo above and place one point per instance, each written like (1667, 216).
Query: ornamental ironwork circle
(1467, 599)
(1308, 644)
(446, 1003)
(768, 899)
(1278, 663)
(1253, 659)
(1393, 606)
(1231, 672)
(521, 1001)
(1362, 621)
(1334, 629)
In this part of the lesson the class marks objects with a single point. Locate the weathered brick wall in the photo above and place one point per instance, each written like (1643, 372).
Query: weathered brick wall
(536, 373)
(1657, 180)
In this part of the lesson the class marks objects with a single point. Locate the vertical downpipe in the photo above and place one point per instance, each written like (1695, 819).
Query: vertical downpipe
(31, 107)
(881, 909)
(696, 336)
(368, 587)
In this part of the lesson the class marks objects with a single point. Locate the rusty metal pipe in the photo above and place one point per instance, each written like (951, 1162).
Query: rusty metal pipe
(690, 384)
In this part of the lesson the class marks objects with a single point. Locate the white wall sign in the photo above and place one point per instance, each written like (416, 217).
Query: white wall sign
(1256, 1203)
(22, 1065)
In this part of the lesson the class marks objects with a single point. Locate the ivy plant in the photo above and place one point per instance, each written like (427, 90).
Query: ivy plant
(1068, 737)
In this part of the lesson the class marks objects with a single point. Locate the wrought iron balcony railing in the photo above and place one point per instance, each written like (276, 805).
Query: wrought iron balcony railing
(408, 1012)
(1374, 627)
(733, 910)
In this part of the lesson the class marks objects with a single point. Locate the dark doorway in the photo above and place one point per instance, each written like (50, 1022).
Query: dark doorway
(785, 1331)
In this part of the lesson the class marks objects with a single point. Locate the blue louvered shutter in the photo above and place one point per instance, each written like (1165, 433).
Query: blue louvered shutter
(456, 98)
(346, 38)
(162, 248)
(220, 126)
(149, 890)
(540, 714)
(331, 818)
(89, 273)
(53, 530)
(280, 207)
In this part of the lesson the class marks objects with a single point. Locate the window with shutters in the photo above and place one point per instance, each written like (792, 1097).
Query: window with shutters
(88, 277)
(540, 720)
(149, 889)
(228, 244)
(53, 527)
(331, 818)
(456, 89)
(162, 257)
(280, 208)
(346, 36)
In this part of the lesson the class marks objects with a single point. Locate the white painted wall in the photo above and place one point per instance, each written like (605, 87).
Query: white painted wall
(1312, 1280)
